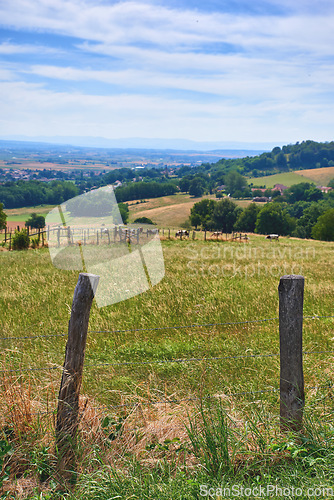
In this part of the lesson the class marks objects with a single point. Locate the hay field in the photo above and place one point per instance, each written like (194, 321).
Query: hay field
(320, 176)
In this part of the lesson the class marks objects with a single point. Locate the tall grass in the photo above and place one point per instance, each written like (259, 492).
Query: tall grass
(205, 283)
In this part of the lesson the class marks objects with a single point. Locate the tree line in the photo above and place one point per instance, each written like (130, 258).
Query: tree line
(293, 214)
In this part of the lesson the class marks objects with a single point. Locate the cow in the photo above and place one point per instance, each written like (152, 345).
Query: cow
(182, 232)
(272, 237)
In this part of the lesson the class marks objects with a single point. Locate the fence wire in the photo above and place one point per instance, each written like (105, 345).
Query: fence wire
(178, 327)
(159, 361)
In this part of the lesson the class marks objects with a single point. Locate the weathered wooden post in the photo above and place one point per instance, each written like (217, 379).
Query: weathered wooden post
(10, 240)
(5, 234)
(205, 235)
(169, 233)
(292, 398)
(194, 235)
(68, 399)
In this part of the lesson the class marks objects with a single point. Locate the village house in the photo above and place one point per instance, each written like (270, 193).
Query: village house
(324, 189)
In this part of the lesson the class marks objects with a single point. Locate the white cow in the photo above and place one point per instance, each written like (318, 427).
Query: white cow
(272, 237)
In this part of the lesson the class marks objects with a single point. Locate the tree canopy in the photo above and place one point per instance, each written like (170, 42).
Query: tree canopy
(36, 221)
(324, 228)
(3, 217)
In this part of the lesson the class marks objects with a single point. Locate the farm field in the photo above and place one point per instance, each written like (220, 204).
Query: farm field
(37, 165)
(320, 176)
(287, 179)
(170, 211)
(204, 312)
(167, 211)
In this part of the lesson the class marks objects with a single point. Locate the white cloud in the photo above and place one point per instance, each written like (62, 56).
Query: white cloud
(267, 75)
(7, 48)
(144, 116)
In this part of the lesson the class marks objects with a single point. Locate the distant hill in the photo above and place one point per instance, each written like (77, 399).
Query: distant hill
(299, 156)
(145, 143)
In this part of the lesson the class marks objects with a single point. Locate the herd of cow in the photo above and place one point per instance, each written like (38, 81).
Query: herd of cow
(184, 233)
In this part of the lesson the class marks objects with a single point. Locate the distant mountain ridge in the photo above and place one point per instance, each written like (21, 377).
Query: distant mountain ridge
(145, 143)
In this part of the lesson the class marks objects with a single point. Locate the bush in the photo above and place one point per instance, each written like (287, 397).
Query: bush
(143, 220)
(20, 240)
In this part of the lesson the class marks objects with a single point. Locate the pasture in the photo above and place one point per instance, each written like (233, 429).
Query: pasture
(320, 176)
(286, 178)
(192, 336)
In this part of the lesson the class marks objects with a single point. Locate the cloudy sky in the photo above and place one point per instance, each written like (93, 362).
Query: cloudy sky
(206, 70)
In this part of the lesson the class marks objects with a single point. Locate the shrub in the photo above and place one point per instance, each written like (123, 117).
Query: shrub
(35, 242)
(20, 240)
(143, 220)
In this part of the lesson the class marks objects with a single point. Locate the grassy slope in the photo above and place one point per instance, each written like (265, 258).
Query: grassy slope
(170, 211)
(205, 283)
(287, 178)
(19, 214)
(199, 287)
(321, 176)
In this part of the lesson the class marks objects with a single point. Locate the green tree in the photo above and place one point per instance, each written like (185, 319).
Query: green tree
(124, 211)
(3, 217)
(247, 218)
(273, 219)
(184, 184)
(308, 219)
(196, 187)
(35, 221)
(281, 161)
(225, 215)
(235, 183)
(324, 228)
(201, 214)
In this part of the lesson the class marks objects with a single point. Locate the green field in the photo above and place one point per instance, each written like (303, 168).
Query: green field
(287, 179)
(206, 283)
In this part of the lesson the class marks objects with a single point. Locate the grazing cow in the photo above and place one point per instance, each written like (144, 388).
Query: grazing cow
(181, 232)
(217, 233)
(272, 237)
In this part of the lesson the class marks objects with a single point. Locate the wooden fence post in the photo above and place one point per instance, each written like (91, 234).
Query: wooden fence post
(292, 398)
(68, 399)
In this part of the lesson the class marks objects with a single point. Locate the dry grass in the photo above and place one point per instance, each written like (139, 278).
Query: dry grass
(321, 176)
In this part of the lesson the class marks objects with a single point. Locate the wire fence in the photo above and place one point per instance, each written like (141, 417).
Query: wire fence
(177, 327)
(150, 362)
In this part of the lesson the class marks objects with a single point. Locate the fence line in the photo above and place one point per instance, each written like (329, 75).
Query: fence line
(162, 361)
(183, 400)
(195, 325)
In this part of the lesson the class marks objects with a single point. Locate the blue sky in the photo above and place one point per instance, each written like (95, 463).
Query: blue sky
(259, 71)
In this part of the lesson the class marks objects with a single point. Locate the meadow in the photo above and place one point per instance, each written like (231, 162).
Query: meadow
(320, 176)
(286, 178)
(193, 342)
